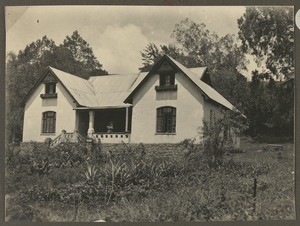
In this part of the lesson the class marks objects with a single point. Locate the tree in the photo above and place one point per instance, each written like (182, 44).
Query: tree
(217, 53)
(14, 115)
(24, 69)
(233, 86)
(267, 33)
(83, 54)
(195, 47)
(151, 54)
(196, 40)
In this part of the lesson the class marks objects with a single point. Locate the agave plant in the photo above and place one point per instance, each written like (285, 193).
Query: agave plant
(90, 174)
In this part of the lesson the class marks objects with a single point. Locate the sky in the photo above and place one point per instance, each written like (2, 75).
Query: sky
(116, 34)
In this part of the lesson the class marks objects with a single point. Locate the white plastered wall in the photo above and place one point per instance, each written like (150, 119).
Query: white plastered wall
(187, 100)
(63, 106)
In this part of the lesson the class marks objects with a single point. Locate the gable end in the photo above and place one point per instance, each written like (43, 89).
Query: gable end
(47, 76)
(163, 65)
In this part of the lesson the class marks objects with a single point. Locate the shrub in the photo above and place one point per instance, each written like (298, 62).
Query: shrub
(130, 184)
(216, 140)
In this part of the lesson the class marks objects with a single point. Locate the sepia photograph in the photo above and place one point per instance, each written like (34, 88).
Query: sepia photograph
(118, 113)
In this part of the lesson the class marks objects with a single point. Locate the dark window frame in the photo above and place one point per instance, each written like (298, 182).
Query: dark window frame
(50, 88)
(167, 79)
(49, 122)
(166, 120)
(166, 82)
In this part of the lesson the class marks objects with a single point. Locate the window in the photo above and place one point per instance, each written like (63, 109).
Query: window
(167, 79)
(166, 120)
(166, 82)
(48, 123)
(50, 88)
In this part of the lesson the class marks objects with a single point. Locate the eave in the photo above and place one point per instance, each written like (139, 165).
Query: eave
(48, 70)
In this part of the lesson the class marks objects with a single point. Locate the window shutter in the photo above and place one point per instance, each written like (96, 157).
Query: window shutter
(159, 120)
(172, 82)
(173, 120)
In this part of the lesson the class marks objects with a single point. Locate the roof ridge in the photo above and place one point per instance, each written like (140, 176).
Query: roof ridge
(86, 80)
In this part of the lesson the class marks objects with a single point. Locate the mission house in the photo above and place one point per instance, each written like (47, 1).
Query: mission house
(166, 105)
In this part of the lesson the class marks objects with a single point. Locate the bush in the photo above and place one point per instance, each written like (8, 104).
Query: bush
(216, 140)
(130, 184)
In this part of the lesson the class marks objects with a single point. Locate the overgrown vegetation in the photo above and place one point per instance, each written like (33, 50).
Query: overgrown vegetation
(206, 182)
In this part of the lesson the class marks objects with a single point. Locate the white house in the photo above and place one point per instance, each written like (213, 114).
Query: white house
(166, 105)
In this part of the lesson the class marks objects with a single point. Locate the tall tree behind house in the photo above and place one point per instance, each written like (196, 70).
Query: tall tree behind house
(267, 34)
(195, 46)
(24, 69)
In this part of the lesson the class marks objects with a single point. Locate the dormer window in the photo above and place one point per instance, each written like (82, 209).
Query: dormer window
(167, 79)
(50, 90)
(50, 82)
(166, 82)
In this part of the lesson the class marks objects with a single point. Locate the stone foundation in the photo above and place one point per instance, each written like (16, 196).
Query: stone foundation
(155, 150)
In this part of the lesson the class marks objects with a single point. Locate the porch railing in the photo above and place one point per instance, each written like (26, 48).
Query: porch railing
(112, 137)
(67, 137)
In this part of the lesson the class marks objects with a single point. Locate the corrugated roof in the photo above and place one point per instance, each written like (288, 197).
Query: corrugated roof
(141, 76)
(112, 90)
(81, 89)
(208, 90)
(99, 91)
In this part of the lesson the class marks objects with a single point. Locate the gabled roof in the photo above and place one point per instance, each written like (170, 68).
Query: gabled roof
(80, 89)
(116, 90)
(97, 92)
(204, 88)
(208, 90)
(111, 90)
(40, 80)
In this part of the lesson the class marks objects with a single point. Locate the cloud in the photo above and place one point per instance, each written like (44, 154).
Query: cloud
(117, 34)
(118, 48)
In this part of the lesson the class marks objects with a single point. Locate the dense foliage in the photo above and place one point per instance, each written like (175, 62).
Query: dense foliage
(24, 69)
(268, 34)
(264, 32)
(195, 46)
(69, 183)
(270, 107)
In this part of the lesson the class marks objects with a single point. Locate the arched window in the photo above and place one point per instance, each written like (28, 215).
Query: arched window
(48, 122)
(166, 120)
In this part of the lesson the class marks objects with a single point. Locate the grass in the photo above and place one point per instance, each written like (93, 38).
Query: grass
(194, 195)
